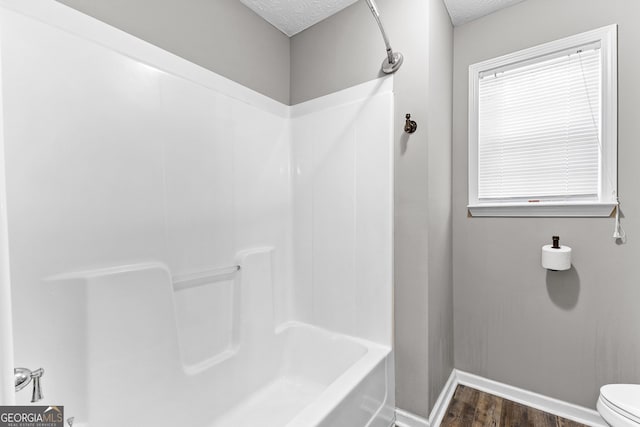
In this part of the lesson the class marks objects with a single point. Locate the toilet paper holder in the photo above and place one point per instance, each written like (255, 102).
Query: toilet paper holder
(555, 257)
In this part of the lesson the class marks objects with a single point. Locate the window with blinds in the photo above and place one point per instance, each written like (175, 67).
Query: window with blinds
(539, 130)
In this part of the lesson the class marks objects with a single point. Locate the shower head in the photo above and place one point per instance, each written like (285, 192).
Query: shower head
(394, 60)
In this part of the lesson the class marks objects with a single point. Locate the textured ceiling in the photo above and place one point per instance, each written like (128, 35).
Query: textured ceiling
(293, 16)
(462, 11)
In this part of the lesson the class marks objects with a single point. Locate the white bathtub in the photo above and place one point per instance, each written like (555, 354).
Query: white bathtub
(323, 379)
(293, 375)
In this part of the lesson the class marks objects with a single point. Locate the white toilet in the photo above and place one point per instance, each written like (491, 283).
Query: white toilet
(619, 404)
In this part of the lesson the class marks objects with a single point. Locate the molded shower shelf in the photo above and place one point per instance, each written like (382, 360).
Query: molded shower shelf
(204, 277)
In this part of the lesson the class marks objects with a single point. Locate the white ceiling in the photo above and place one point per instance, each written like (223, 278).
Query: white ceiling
(462, 11)
(293, 16)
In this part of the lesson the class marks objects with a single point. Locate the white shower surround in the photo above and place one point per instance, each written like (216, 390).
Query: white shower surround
(108, 142)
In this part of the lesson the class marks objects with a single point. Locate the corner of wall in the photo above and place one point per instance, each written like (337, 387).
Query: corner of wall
(440, 113)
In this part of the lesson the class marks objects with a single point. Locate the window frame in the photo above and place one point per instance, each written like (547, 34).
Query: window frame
(608, 197)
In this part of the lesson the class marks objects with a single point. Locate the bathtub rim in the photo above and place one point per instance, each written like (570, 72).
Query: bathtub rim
(338, 390)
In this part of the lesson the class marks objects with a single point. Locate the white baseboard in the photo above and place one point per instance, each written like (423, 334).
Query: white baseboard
(547, 404)
(440, 408)
(407, 419)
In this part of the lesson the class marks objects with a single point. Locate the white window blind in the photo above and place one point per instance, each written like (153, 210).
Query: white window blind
(539, 129)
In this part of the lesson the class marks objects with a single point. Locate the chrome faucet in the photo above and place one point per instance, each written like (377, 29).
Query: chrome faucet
(23, 377)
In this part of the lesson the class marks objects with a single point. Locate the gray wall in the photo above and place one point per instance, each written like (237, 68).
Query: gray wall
(345, 50)
(562, 334)
(221, 35)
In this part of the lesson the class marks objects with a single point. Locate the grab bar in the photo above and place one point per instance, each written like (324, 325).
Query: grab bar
(189, 281)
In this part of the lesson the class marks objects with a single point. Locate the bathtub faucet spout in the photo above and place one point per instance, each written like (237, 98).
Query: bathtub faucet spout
(24, 376)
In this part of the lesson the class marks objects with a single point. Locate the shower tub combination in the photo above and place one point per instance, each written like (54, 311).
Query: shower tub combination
(183, 250)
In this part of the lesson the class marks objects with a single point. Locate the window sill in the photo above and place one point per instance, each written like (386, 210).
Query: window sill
(543, 210)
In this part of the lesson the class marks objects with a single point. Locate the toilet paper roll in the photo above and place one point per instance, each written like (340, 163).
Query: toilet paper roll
(556, 259)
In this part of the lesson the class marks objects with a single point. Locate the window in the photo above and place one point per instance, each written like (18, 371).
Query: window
(543, 129)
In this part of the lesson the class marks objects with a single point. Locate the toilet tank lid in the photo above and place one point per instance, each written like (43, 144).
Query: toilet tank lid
(623, 396)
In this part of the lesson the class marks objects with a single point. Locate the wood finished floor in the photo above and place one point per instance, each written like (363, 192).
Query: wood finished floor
(473, 408)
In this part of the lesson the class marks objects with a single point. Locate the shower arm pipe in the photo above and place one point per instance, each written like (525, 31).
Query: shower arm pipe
(376, 15)
(394, 60)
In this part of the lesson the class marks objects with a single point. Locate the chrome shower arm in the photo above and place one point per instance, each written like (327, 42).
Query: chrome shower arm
(393, 60)
(376, 15)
